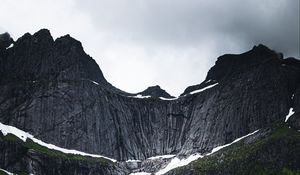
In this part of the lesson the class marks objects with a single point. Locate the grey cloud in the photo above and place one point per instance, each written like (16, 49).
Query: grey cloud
(192, 22)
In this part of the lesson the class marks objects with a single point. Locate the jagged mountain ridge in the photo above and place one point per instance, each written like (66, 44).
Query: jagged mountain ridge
(48, 89)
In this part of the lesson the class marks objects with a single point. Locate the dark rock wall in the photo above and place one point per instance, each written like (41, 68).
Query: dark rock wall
(46, 90)
(17, 158)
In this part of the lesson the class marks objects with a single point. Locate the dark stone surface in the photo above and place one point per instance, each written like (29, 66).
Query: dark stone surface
(294, 120)
(47, 89)
(5, 41)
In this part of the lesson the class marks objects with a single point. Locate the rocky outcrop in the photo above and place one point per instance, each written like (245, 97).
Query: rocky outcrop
(55, 91)
(155, 92)
(5, 41)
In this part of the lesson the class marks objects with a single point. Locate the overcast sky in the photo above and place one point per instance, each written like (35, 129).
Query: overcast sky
(172, 43)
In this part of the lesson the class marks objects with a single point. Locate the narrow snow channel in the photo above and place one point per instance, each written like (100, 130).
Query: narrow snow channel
(10, 46)
(96, 83)
(236, 140)
(291, 112)
(203, 89)
(6, 129)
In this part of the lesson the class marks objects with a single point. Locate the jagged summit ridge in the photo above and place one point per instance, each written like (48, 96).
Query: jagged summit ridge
(38, 57)
(229, 63)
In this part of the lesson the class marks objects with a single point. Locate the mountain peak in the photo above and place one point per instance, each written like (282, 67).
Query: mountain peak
(155, 91)
(41, 40)
(46, 59)
(233, 63)
(265, 51)
(68, 41)
(5, 40)
(43, 33)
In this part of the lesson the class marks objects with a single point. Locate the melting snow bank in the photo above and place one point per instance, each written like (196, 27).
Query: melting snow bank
(176, 162)
(9, 173)
(291, 112)
(203, 89)
(6, 129)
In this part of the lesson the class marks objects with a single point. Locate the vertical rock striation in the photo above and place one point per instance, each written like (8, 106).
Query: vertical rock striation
(54, 90)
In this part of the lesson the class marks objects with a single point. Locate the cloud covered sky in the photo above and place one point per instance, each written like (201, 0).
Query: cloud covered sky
(173, 43)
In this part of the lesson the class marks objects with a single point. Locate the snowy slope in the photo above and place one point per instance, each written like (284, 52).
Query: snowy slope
(177, 162)
(6, 129)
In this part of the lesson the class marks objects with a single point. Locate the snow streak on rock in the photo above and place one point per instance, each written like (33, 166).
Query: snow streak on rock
(291, 112)
(203, 89)
(6, 129)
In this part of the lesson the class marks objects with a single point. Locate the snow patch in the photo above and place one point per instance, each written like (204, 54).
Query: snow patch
(176, 162)
(132, 161)
(10, 46)
(6, 129)
(162, 157)
(203, 89)
(140, 96)
(163, 98)
(291, 112)
(140, 173)
(94, 82)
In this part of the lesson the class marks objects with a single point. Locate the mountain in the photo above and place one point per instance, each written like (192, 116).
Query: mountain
(56, 92)
(155, 92)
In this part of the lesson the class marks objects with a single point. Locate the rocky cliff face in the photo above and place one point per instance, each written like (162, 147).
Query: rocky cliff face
(55, 91)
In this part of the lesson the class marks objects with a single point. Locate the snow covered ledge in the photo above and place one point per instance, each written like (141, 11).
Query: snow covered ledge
(6, 129)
